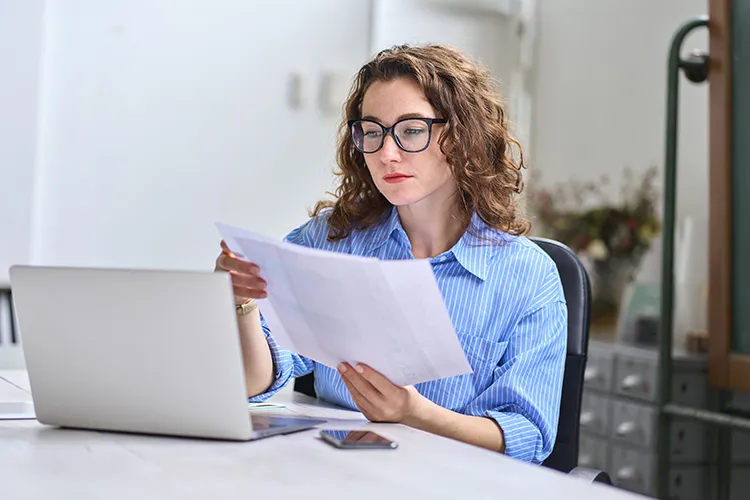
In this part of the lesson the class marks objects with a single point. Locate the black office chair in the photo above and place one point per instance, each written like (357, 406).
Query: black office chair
(577, 291)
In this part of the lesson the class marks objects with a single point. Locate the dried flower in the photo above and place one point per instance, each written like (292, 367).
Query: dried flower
(597, 250)
(587, 219)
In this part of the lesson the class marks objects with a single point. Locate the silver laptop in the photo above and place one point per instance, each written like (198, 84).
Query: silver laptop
(153, 352)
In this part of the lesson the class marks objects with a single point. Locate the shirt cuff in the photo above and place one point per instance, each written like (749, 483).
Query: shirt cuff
(282, 368)
(522, 438)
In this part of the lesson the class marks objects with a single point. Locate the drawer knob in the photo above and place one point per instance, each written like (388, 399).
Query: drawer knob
(590, 374)
(587, 418)
(627, 474)
(626, 428)
(631, 382)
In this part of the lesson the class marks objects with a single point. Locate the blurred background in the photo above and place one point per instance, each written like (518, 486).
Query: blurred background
(130, 127)
(127, 128)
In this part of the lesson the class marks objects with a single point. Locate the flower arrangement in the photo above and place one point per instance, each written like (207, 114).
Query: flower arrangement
(611, 235)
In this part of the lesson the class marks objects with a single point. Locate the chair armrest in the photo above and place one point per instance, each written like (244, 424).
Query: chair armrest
(591, 475)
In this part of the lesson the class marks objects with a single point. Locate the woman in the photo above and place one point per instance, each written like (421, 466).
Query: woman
(427, 173)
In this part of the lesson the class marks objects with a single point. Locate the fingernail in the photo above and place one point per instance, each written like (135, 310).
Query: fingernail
(360, 369)
(342, 368)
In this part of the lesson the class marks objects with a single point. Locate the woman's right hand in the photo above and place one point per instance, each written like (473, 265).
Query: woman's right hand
(246, 280)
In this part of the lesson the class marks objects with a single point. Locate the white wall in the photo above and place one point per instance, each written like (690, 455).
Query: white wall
(160, 118)
(599, 101)
(20, 51)
(483, 29)
(157, 120)
(485, 35)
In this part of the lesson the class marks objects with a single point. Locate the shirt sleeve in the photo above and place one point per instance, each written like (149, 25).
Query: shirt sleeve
(524, 398)
(286, 365)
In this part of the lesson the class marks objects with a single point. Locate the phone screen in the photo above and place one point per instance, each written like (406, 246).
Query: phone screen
(356, 439)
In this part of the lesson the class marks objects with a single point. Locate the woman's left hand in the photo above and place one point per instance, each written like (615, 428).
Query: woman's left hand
(376, 397)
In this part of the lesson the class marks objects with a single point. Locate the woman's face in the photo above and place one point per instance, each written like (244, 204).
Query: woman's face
(406, 178)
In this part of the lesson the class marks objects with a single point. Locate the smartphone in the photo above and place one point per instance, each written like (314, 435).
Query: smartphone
(357, 440)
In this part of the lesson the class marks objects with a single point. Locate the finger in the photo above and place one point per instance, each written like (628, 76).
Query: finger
(226, 248)
(254, 282)
(377, 380)
(229, 263)
(242, 293)
(362, 403)
(360, 383)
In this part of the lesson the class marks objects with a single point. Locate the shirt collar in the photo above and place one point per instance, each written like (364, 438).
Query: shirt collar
(473, 251)
(381, 232)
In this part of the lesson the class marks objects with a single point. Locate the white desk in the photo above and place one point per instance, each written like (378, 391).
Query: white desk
(41, 462)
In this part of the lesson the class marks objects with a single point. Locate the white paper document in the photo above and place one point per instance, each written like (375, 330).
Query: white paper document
(333, 307)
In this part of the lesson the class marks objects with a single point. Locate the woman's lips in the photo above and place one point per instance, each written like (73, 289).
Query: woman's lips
(396, 178)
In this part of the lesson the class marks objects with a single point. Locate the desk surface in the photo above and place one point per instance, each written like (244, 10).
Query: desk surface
(38, 459)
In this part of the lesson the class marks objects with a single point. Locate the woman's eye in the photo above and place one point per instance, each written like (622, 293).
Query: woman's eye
(414, 131)
(374, 134)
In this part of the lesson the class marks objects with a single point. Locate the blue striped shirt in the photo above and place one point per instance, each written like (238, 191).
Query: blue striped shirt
(507, 306)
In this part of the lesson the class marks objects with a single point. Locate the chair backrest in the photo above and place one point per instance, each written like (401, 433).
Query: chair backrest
(575, 282)
(577, 291)
(305, 385)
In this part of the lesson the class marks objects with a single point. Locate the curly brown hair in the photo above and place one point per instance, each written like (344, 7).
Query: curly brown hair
(476, 141)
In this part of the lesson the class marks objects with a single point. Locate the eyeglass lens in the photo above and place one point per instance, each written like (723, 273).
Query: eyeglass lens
(411, 135)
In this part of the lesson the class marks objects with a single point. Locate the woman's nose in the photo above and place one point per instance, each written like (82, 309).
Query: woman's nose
(390, 150)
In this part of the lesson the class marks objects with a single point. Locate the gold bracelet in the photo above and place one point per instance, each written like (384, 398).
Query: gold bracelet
(247, 307)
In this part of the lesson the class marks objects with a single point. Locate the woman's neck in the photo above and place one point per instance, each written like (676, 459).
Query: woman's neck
(432, 230)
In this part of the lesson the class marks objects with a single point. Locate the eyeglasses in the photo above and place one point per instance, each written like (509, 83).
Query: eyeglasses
(411, 134)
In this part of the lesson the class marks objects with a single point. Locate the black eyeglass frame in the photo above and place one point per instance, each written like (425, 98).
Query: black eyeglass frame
(390, 130)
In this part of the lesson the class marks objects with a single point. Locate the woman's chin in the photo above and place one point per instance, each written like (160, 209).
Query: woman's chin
(398, 196)
(401, 201)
